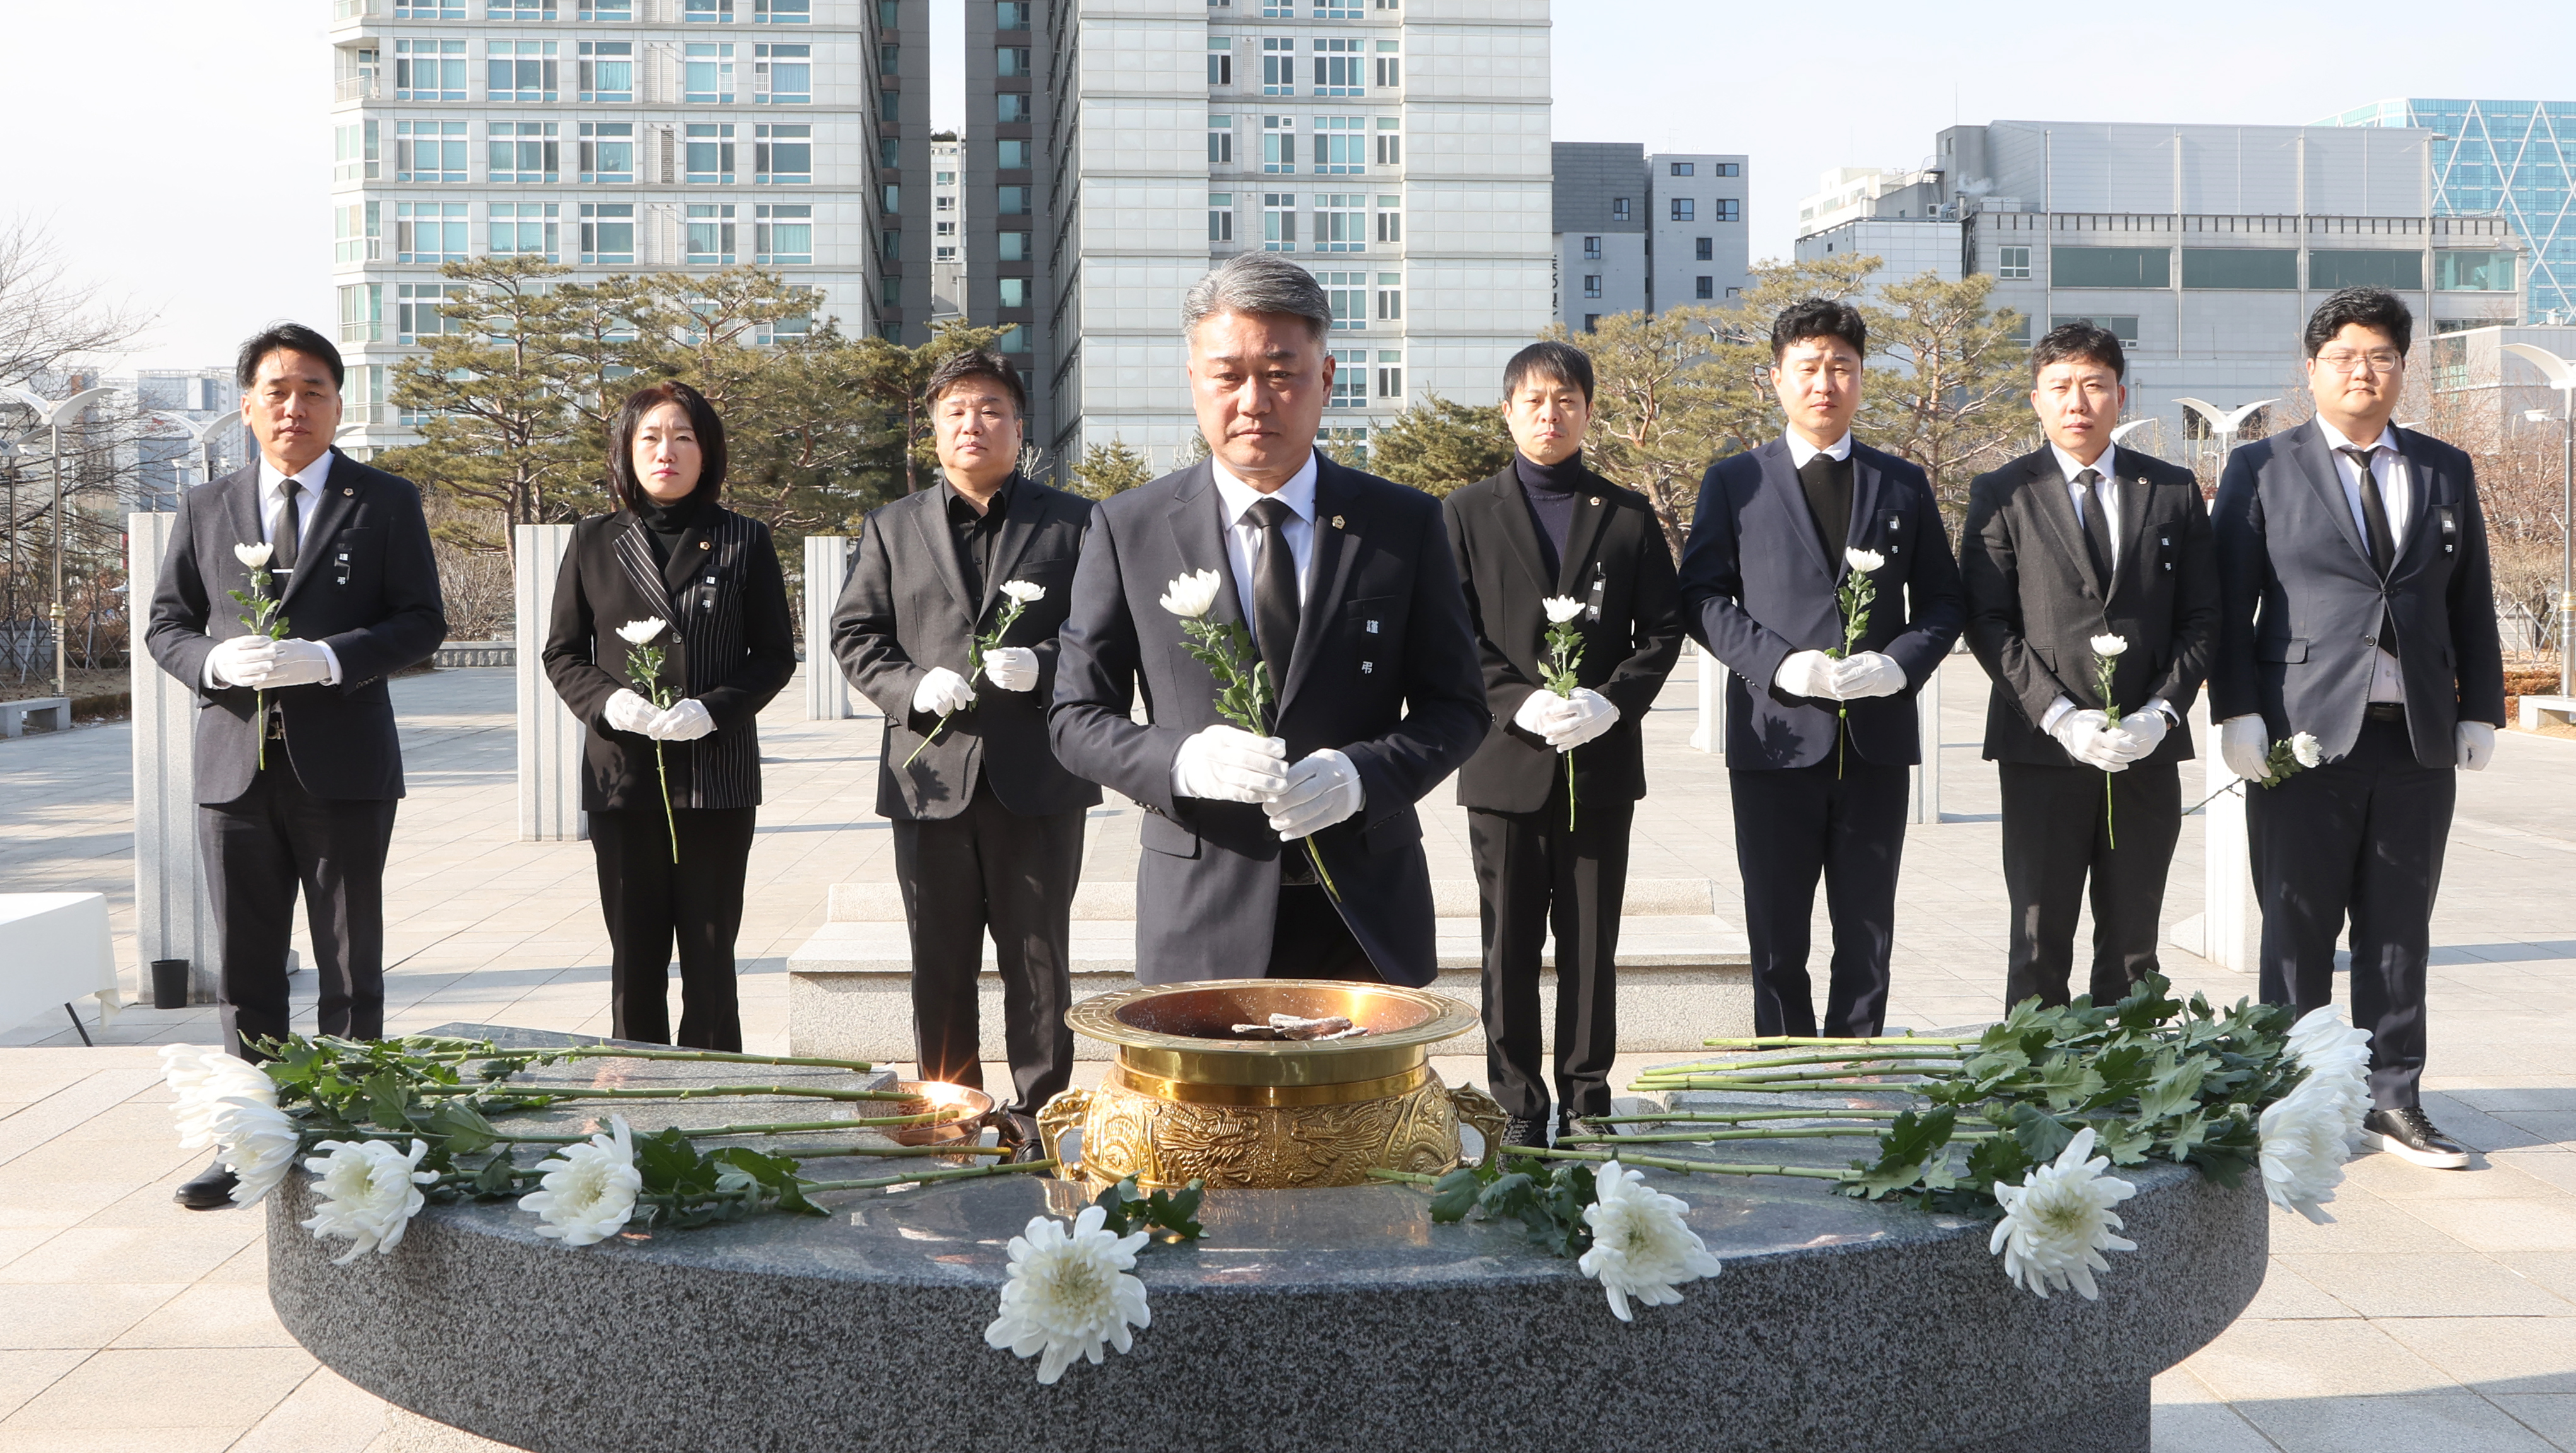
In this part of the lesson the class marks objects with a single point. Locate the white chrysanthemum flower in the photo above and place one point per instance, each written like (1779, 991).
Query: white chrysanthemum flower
(2107, 647)
(1561, 608)
(1640, 1246)
(2337, 1059)
(369, 1192)
(231, 1104)
(1069, 1293)
(2305, 1143)
(191, 1071)
(589, 1190)
(1190, 596)
(2305, 751)
(2058, 1221)
(258, 1142)
(1863, 561)
(1023, 591)
(636, 633)
(254, 556)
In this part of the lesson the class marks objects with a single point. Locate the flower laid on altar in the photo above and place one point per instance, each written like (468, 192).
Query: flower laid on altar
(2058, 1222)
(2107, 651)
(368, 1192)
(229, 1104)
(1020, 593)
(2338, 1055)
(1069, 1295)
(1244, 691)
(264, 608)
(1563, 661)
(644, 669)
(588, 1190)
(2304, 1149)
(1641, 1247)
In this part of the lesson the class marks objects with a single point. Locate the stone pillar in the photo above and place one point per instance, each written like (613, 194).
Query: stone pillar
(1925, 803)
(174, 915)
(550, 736)
(827, 569)
(1710, 734)
(2229, 930)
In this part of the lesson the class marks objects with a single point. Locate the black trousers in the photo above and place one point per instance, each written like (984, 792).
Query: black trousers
(651, 901)
(990, 865)
(1792, 826)
(2358, 839)
(1310, 940)
(260, 848)
(1533, 871)
(2056, 837)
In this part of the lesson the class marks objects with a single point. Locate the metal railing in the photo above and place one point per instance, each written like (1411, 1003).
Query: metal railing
(356, 88)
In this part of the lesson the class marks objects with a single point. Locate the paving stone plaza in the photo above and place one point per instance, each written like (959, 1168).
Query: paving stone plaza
(2439, 1313)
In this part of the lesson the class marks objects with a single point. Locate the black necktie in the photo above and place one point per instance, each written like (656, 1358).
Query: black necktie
(2383, 541)
(290, 524)
(1274, 591)
(2097, 524)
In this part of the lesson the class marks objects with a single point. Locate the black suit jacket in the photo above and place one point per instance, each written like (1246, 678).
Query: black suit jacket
(2035, 605)
(1756, 586)
(734, 649)
(1384, 669)
(2300, 603)
(906, 610)
(1616, 562)
(366, 585)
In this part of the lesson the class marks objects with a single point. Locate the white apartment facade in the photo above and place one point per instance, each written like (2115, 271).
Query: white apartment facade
(947, 231)
(1698, 252)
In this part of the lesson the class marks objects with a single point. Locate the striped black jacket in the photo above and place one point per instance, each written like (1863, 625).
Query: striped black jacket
(734, 650)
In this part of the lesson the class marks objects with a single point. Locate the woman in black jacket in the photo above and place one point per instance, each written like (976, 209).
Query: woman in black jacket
(672, 556)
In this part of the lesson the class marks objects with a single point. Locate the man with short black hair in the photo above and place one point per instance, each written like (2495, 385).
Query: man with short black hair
(1552, 793)
(2356, 605)
(2078, 540)
(987, 825)
(297, 764)
(1819, 743)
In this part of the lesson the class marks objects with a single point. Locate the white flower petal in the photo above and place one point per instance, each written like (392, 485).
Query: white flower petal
(1641, 1247)
(2058, 1222)
(1023, 591)
(254, 556)
(368, 1192)
(1561, 608)
(1864, 561)
(1190, 596)
(636, 633)
(2304, 749)
(1068, 1296)
(2109, 646)
(588, 1191)
(2305, 1144)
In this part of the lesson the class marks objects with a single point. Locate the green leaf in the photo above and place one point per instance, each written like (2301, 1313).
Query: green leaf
(1454, 1194)
(461, 1129)
(669, 1164)
(2040, 1134)
(2174, 1091)
(1914, 1143)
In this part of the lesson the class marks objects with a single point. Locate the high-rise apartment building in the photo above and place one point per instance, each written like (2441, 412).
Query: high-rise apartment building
(611, 136)
(1697, 249)
(947, 232)
(2508, 159)
(1641, 233)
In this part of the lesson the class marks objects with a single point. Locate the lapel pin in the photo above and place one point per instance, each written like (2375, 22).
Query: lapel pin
(706, 544)
(1372, 628)
(346, 490)
(1337, 522)
(1596, 499)
(1368, 668)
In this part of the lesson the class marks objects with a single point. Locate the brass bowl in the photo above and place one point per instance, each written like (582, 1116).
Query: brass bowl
(1188, 1100)
(968, 1107)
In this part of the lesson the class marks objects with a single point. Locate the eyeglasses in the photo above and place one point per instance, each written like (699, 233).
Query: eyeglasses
(2381, 360)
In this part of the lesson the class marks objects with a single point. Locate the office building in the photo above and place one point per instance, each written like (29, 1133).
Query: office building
(947, 234)
(1862, 193)
(2507, 158)
(1638, 233)
(1698, 252)
(1905, 248)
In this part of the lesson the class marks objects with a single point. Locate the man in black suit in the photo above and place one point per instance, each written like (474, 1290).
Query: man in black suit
(987, 826)
(2079, 540)
(1819, 743)
(297, 765)
(1546, 526)
(2356, 605)
(1346, 584)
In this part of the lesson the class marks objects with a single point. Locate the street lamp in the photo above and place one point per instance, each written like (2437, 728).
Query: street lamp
(2562, 377)
(52, 414)
(201, 437)
(2121, 433)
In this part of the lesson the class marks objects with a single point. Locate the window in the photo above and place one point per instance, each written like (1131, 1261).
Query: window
(1279, 221)
(1591, 249)
(522, 151)
(2123, 328)
(1685, 209)
(1278, 66)
(429, 70)
(362, 313)
(355, 229)
(1014, 339)
(1011, 154)
(519, 9)
(608, 232)
(1350, 379)
(783, 233)
(782, 155)
(707, 155)
(1341, 145)
(707, 12)
(1390, 219)
(429, 151)
(1013, 292)
(1220, 141)
(708, 239)
(1011, 246)
(1706, 287)
(416, 311)
(944, 203)
(1618, 209)
(782, 75)
(1011, 107)
(2354, 269)
(1339, 68)
(1345, 444)
(1220, 216)
(1221, 62)
(889, 14)
(1278, 143)
(2239, 267)
(706, 75)
(2012, 262)
(2110, 267)
(1012, 201)
(607, 9)
(889, 60)
(353, 152)
(945, 179)
(890, 244)
(1341, 222)
(1685, 168)
(1348, 292)
(1704, 249)
(1390, 141)
(782, 12)
(519, 70)
(1591, 321)
(429, 9)
(525, 229)
(890, 152)
(2473, 272)
(608, 151)
(1011, 60)
(429, 232)
(1726, 209)
(607, 70)
(1390, 373)
(1726, 169)
(893, 197)
(1390, 297)
(1337, 9)
(1390, 66)
(1011, 15)
(1592, 284)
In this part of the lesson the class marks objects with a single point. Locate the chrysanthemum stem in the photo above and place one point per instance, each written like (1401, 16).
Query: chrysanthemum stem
(1775, 1087)
(487, 1050)
(1693, 1117)
(1787, 1041)
(1760, 1074)
(1856, 1056)
(1695, 1137)
(700, 1092)
(1691, 1167)
(966, 1173)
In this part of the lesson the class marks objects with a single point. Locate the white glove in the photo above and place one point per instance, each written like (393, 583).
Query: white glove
(241, 661)
(1228, 764)
(1871, 673)
(628, 712)
(1323, 788)
(2146, 729)
(1809, 674)
(1012, 668)
(1591, 716)
(1542, 712)
(2092, 741)
(941, 692)
(2243, 743)
(299, 663)
(2477, 745)
(686, 721)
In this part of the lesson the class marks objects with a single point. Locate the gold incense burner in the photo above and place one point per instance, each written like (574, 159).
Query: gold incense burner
(1187, 1099)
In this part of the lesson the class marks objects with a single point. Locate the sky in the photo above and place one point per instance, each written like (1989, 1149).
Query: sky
(197, 186)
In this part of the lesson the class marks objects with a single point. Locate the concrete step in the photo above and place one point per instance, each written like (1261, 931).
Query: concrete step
(1450, 898)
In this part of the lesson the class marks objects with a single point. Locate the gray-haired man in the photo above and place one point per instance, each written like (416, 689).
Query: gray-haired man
(1346, 584)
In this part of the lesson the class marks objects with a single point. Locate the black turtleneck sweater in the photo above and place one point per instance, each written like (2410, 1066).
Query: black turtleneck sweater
(667, 525)
(1551, 490)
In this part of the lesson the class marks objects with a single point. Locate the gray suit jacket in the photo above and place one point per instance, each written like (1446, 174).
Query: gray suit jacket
(367, 587)
(2301, 604)
(1384, 669)
(2034, 603)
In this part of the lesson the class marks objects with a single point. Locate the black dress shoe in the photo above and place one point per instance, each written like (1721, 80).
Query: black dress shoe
(2406, 1132)
(212, 1190)
(1528, 1132)
(1570, 1122)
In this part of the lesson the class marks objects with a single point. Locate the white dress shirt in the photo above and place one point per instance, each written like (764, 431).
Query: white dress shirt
(2108, 467)
(272, 511)
(2397, 492)
(1800, 451)
(1243, 534)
